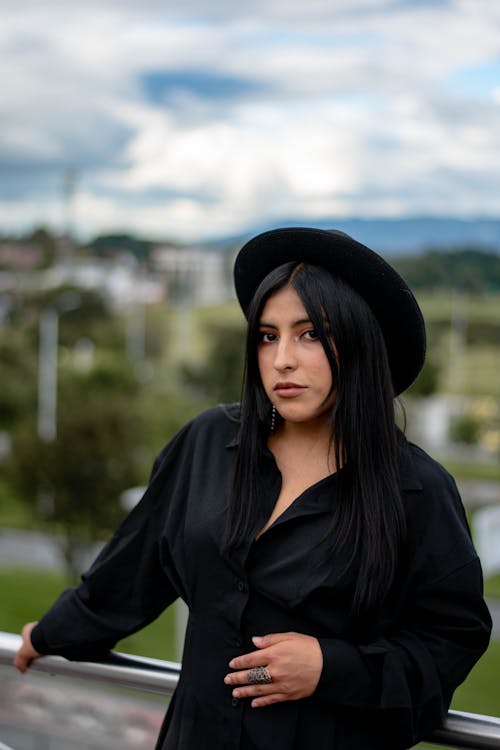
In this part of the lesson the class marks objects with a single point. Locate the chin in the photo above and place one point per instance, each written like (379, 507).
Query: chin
(300, 417)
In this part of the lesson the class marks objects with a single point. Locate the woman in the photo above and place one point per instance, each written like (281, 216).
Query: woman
(335, 596)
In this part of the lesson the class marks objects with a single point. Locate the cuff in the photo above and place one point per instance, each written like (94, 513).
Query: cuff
(344, 677)
(38, 640)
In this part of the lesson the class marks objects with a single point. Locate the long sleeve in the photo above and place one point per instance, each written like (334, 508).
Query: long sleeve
(407, 677)
(130, 583)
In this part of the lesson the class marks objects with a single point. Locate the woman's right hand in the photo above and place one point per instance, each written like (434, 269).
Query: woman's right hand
(26, 653)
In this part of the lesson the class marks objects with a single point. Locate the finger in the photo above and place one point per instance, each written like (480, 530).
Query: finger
(239, 678)
(268, 700)
(253, 691)
(264, 641)
(248, 661)
(21, 663)
(254, 658)
(236, 678)
(18, 665)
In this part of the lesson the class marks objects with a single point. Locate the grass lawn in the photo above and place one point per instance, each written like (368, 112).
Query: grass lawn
(479, 694)
(440, 306)
(474, 372)
(26, 594)
(14, 513)
(463, 470)
(492, 586)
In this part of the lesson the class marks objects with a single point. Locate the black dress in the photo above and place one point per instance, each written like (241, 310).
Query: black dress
(386, 681)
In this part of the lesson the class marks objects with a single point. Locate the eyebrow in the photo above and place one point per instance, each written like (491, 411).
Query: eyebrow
(295, 323)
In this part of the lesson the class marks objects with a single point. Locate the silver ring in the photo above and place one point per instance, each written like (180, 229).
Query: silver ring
(259, 676)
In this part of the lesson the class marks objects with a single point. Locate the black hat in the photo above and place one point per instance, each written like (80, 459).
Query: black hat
(387, 294)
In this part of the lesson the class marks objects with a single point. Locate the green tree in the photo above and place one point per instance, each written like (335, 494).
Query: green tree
(471, 269)
(47, 242)
(219, 377)
(18, 377)
(85, 316)
(427, 381)
(465, 429)
(74, 483)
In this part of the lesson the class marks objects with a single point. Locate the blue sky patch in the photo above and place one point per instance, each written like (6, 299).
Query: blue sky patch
(476, 81)
(160, 86)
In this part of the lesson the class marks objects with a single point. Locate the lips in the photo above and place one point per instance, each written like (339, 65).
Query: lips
(289, 390)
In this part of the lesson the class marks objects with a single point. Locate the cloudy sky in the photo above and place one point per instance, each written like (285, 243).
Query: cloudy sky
(200, 118)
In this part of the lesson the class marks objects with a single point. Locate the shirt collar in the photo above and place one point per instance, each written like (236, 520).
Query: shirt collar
(408, 474)
(409, 478)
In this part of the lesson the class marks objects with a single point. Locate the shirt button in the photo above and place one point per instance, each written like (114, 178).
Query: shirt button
(235, 702)
(242, 586)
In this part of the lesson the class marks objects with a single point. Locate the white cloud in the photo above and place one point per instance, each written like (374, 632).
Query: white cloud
(343, 108)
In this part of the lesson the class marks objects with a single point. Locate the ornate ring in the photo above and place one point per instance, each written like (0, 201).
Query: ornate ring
(259, 676)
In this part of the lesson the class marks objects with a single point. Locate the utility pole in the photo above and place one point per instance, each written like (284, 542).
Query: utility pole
(48, 364)
(69, 179)
(47, 375)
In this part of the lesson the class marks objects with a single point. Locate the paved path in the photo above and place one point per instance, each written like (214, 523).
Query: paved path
(35, 549)
(28, 548)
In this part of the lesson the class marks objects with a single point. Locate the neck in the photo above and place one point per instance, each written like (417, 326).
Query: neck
(304, 440)
(314, 430)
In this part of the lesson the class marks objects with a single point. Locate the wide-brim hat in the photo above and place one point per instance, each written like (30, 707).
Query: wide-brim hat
(388, 295)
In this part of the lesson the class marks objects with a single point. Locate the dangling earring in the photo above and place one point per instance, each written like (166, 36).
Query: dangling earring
(273, 418)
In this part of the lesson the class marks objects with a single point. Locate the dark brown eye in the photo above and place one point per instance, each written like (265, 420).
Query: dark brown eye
(266, 337)
(311, 335)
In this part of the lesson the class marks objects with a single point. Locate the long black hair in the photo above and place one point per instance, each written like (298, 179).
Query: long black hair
(368, 517)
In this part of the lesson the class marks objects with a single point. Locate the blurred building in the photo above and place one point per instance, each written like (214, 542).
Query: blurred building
(20, 256)
(193, 276)
(180, 275)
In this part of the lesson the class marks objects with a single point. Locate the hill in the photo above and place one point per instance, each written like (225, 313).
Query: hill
(468, 269)
(410, 234)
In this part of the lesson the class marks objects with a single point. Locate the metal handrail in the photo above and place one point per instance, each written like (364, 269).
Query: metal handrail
(460, 729)
(139, 672)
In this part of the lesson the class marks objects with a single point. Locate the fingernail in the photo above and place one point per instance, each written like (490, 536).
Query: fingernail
(236, 693)
(231, 663)
(257, 639)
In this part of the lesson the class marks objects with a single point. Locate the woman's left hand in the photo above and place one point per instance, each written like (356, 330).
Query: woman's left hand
(294, 662)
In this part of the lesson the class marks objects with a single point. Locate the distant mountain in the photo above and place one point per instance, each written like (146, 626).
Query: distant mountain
(390, 237)
(406, 235)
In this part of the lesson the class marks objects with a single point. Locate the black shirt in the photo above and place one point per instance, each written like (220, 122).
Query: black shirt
(386, 681)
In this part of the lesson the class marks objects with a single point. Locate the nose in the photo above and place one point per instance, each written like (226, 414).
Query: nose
(285, 356)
